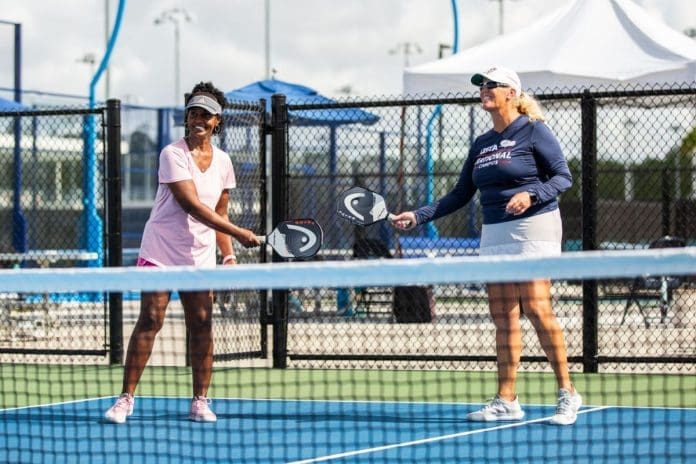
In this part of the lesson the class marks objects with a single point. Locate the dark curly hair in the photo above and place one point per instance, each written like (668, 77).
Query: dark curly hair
(210, 89)
(206, 88)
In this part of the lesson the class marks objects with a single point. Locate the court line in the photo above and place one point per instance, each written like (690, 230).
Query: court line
(433, 439)
(59, 403)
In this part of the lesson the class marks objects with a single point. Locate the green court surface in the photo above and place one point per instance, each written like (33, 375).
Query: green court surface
(31, 384)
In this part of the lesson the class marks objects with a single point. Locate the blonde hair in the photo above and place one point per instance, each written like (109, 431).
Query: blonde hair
(526, 104)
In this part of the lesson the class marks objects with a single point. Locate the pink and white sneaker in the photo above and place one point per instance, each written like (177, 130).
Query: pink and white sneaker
(200, 411)
(567, 410)
(122, 408)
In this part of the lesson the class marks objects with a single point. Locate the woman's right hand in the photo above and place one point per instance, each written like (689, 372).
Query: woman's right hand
(247, 238)
(404, 221)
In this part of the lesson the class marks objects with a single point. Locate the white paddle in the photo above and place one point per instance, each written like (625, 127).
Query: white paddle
(362, 206)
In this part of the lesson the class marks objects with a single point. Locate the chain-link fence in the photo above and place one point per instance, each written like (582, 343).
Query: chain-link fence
(55, 193)
(631, 154)
(53, 209)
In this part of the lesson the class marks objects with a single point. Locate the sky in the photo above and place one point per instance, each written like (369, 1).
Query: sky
(355, 48)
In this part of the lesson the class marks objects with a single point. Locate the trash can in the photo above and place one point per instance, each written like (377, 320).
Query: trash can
(413, 304)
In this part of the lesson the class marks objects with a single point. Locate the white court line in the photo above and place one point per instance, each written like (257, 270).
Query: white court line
(86, 400)
(434, 439)
(59, 403)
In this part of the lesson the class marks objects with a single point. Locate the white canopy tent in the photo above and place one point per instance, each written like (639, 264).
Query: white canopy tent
(585, 44)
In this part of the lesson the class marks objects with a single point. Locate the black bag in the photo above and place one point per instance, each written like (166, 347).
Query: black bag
(413, 304)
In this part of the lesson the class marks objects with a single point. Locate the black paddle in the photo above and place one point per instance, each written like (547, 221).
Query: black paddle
(295, 238)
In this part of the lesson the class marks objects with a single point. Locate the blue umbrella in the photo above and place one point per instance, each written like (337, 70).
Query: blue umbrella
(11, 105)
(297, 94)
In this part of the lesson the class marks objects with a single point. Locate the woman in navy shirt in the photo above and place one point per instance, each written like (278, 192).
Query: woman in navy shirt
(520, 170)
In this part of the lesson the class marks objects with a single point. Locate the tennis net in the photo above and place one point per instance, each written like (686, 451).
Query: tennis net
(380, 360)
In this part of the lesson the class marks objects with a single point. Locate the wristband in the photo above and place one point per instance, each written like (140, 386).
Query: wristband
(229, 258)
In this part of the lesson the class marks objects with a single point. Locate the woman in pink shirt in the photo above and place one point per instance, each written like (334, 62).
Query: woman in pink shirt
(189, 218)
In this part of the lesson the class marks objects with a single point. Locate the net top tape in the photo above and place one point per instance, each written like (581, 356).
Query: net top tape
(336, 274)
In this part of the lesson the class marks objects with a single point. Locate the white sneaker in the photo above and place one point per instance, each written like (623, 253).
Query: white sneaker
(200, 411)
(567, 409)
(122, 408)
(498, 409)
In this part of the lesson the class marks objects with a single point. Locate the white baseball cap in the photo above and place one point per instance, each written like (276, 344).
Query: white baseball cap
(499, 74)
(209, 104)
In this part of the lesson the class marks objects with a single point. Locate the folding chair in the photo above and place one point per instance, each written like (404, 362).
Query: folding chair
(651, 288)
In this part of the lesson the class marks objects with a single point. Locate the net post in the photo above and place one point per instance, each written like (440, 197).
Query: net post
(279, 211)
(589, 229)
(113, 225)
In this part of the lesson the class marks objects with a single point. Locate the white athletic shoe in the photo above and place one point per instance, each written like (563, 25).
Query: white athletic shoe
(200, 411)
(567, 409)
(498, 409)
(122, 408)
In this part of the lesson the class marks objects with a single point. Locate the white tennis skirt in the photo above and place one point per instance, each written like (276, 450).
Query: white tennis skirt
(538, 235)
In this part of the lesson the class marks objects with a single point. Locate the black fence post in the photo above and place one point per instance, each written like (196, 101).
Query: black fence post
(667, 176)
(589, 229)
(279, 211)
(113, 224)
(265, 313)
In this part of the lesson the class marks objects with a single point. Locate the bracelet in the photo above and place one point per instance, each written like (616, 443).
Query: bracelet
(229, 258)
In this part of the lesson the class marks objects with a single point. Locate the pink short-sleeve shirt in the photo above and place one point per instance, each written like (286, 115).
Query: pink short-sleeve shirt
(171, 236)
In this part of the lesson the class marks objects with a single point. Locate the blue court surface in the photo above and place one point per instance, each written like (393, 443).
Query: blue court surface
(284, 431)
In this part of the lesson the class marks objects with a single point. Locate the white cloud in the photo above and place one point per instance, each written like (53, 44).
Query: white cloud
(325, 44)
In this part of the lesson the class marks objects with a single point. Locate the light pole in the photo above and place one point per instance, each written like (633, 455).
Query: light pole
(19, 222)
(90, 59)
(107, 74)
(17, 59)
(501, 16)
(408, 48)
(267, 38)
(175, 16)
(441, 49)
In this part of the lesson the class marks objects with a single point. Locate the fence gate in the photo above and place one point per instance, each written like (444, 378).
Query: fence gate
(53, 214)
(240, 316)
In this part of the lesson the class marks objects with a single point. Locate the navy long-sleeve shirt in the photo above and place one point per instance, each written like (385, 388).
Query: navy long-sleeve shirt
(525, 157)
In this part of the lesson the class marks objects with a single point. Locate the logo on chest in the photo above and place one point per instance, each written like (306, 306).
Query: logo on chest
(494, 155)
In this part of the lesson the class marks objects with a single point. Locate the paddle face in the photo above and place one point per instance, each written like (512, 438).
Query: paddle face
(296, 238)
(361, 206)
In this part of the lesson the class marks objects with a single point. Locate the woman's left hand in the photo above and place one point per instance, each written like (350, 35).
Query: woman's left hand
(519, 203)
